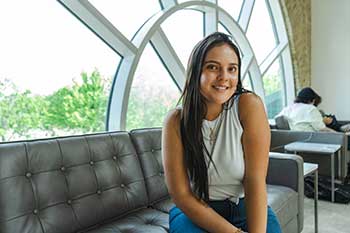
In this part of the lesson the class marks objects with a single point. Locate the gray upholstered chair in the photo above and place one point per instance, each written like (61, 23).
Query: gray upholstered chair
(282, 123)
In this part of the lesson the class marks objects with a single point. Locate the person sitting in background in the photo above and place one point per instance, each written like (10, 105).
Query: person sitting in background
(303, 115)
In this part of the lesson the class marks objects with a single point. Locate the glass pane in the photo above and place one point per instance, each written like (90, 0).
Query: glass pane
(153, 93)
(260, 31)
(272, 82)
(233, 7)
(127, 16)
(55, 74)
(191, 24)
(247, 82)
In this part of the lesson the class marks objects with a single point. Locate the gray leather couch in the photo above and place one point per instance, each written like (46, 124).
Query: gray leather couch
(110, 183)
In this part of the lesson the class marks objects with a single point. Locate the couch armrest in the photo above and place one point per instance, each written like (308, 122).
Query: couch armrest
(288, 170)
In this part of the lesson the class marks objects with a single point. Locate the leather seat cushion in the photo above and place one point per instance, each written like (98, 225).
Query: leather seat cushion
(144, 220)
(164, 205)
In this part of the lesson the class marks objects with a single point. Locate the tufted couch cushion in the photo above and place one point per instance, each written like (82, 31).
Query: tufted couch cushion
(148, 146)
(68, 184)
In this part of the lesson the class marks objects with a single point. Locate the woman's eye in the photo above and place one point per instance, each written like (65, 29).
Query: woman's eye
(212, 67)
(232, 69)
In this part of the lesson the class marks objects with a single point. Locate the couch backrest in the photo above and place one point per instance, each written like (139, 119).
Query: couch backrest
(282, 123)
(148, 146)
(67, 184)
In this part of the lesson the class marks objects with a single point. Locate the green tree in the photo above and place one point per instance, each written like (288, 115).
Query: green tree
(273, 93)
(80, 107)
(272, 83)
(149, 103)
(19, 111)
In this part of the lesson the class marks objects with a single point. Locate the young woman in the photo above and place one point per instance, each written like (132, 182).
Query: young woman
(215, 147)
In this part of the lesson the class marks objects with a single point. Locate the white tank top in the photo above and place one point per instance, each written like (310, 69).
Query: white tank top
(226, 181)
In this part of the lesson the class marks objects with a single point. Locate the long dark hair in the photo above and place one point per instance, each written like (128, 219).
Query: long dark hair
(194, 110)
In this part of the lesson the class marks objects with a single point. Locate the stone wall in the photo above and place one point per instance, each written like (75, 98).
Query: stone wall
(297, 16)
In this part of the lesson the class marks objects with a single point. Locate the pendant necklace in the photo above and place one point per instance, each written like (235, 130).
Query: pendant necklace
(213, 131)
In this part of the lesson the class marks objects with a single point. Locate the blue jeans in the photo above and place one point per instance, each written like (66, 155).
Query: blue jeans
(235, 214)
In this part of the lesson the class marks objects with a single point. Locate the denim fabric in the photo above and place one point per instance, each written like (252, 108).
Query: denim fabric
(235, 214)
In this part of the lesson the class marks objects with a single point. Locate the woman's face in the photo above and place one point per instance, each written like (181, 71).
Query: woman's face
(219, 76)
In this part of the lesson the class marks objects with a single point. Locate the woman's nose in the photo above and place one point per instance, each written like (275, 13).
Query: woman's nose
(223, 74)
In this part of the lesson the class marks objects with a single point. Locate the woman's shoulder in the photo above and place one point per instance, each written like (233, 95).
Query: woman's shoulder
(250, 104)
(249, 100)
(173, 118)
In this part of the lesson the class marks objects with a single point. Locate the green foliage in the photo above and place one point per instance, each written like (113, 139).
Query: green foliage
(19, 111)
(82, 106)
(149, 103)
(272, 83)
(273, 93)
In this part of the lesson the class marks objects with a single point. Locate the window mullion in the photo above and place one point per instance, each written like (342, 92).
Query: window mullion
(245, 14)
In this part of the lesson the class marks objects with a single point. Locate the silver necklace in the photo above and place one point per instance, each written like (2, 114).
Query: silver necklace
(214, 130)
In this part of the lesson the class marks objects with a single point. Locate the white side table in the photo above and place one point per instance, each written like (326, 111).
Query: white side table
(318, 148)
(310, 168)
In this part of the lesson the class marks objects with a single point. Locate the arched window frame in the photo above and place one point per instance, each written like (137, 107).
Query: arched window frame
(151, 31)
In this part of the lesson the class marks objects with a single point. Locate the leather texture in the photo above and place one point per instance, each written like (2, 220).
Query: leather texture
(148, 146)
(105, 183)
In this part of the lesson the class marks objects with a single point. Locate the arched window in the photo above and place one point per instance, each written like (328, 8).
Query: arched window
(145, 50)
(170, 30)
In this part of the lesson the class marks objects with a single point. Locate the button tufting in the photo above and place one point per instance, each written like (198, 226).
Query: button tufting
(69, 202)
(122, 185)
(114, 157)
(152, 150)
(28, 174)
(91, 162)
(35, 211)
(63, 169)
(99, 192)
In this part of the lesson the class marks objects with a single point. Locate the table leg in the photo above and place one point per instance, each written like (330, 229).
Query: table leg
(332, 176)
(339, 165)
(316, 201)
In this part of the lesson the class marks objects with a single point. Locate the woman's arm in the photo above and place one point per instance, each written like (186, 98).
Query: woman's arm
(256, 144)
(178, 183)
